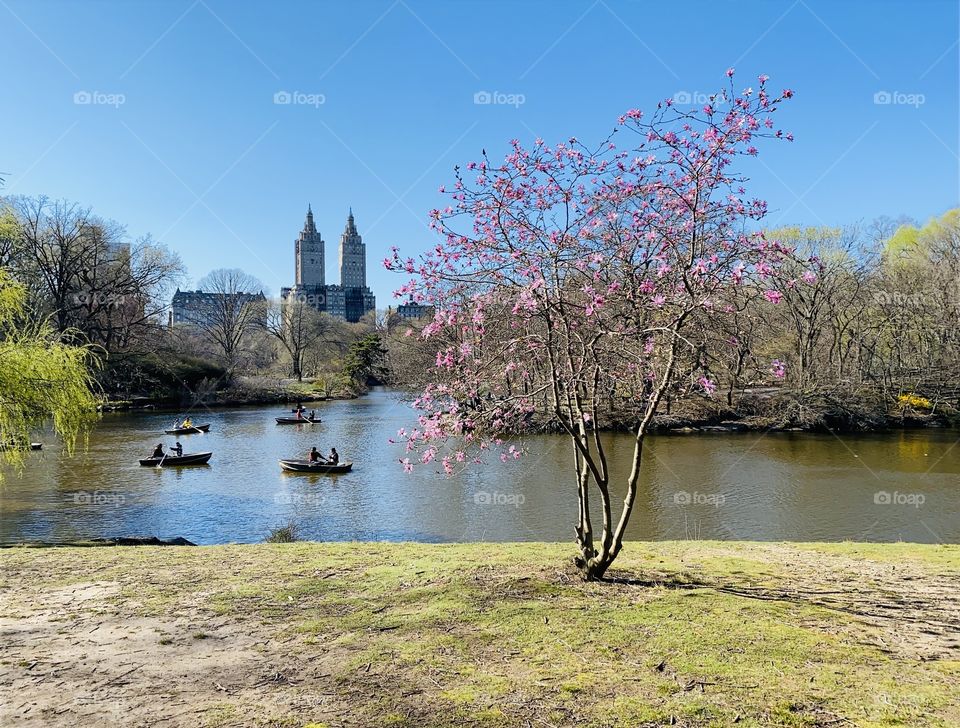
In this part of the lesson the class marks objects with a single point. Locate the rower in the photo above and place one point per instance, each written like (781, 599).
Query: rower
(158, 451)
(315, 456)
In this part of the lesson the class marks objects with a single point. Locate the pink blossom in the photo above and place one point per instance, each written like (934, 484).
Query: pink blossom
(778, 368)
(595, 239)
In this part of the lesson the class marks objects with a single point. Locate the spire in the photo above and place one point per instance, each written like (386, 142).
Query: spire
(308, 225)
(351, 228)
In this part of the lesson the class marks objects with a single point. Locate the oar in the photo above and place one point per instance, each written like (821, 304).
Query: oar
(160, 464)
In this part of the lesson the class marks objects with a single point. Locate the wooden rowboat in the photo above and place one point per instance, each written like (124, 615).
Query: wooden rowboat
(197, 458)
(305, 466)
(188, 430)
(295, 421)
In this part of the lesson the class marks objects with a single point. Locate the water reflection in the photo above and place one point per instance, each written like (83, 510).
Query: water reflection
(789, 486)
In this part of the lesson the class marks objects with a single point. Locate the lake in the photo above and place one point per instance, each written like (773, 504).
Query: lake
(751, 486)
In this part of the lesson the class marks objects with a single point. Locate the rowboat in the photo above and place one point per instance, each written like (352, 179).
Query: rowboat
(188, 430)
(295, 421)
(21, 446)
(197, 458)
(305, 466)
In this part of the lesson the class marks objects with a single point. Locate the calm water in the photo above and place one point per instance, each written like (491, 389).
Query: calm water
(901, 486)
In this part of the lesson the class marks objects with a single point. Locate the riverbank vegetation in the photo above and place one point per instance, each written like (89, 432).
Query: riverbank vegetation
(42, 376)
(693, 634)
(96, 287)
(873, 342)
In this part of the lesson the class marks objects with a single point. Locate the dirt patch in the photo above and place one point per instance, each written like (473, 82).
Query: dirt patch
(83, 657)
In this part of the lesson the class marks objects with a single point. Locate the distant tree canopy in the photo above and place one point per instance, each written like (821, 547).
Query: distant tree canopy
(86, 277)
(230, 315)
(41, 377)
(365, 360)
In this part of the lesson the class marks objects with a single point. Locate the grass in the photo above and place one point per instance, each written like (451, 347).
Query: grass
(686, 633)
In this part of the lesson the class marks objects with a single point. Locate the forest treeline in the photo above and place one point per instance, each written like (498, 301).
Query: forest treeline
(94, 286)
(870, 340)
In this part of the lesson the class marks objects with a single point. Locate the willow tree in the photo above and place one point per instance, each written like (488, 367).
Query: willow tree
(570, 276)
(41, 378)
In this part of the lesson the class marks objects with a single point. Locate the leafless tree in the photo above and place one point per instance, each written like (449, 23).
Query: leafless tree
(82, 271)
(295, 325)
(231, 311)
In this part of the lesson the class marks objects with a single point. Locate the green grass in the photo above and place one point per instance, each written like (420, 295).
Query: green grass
(691, 634)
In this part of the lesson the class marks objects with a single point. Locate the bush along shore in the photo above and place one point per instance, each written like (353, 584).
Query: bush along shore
(773, 409)
(697, 634)
(242, 391)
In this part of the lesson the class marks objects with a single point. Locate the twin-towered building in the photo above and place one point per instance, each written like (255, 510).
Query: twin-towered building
(349, 300)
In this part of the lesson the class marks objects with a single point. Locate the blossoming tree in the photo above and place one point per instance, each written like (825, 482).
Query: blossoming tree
(571, 277)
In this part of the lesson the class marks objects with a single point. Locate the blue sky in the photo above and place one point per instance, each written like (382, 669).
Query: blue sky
(182, 137)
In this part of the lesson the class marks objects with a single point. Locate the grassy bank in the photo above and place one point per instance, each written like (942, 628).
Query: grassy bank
(686, 633)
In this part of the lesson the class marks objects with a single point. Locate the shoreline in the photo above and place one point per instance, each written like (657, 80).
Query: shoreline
(136, 542)
(662, 424)
(169, 405)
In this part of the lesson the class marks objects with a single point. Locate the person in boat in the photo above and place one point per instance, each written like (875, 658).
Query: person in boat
(313, 414)
(158, 451)
(315, 456)
(187, 422)
(178, 449)
(299, 414)
(334, 457)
